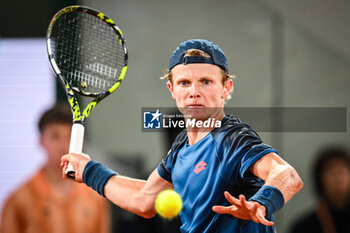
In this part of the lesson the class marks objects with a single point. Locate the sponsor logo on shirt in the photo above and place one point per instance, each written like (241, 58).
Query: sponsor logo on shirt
(200, 167)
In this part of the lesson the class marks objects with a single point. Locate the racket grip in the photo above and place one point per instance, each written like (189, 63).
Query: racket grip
(75, 146)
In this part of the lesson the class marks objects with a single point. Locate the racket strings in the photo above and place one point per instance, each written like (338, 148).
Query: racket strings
(87, 51)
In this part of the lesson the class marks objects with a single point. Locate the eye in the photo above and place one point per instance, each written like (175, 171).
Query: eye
(183, 83)
(206, 82)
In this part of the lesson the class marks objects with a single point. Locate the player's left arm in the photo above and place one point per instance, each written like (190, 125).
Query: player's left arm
(278, 173)
(282, 182)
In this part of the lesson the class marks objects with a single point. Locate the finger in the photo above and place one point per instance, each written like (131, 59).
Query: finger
(86, 155)
(224, 209)
(254, 208)
(264, 221)
(231, 199)
(244, 202)
(250, 207)
(253, 212)
(260, 214)
(65, 166)
(78, 176)
(65, 158)
(255, 219)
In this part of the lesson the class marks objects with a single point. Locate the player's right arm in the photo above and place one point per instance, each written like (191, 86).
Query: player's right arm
(134, 195)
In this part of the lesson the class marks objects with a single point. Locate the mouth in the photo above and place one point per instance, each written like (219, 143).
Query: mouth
(195, 106)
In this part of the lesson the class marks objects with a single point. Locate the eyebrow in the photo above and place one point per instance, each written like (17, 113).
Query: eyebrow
(184, 78)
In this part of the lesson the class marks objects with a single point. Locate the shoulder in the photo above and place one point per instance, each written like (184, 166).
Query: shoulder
(21, 195)
(180, 140)
(232, 124)
(233, 129)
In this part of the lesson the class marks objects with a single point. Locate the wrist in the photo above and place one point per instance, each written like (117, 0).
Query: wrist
(270, 197)
(96, 175)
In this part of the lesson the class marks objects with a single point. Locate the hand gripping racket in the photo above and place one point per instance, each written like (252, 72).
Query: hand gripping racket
(88, 54)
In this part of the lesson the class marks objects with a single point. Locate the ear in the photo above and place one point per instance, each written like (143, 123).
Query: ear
(171, 89)
(228, 85)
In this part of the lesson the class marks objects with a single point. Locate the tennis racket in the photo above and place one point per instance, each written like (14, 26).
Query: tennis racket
(88, 54)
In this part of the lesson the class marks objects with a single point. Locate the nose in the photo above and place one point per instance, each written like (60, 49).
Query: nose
(194, 91)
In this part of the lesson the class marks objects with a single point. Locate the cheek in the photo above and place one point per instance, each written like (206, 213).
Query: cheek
(46, 143)
(53, 146)
(178, 93)
(216, 93)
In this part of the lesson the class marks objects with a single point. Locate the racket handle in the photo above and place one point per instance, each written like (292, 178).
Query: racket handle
(75, 146)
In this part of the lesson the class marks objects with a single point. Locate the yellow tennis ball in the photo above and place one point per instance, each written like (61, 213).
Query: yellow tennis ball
(168, 203)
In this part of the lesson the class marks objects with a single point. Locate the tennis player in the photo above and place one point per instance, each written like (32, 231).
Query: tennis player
(229, 180)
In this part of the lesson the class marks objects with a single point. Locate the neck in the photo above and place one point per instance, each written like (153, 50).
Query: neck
(195, 134)
(61, 188)
(54, 175)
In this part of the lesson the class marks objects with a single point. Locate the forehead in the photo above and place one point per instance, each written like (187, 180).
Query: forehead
(196, 70)
(57, 127)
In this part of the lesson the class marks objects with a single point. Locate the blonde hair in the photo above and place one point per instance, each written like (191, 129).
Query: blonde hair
(199, 53)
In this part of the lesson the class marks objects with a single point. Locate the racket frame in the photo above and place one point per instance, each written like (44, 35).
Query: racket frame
(77, 134)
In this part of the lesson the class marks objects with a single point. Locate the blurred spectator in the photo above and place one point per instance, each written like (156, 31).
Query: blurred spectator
(332, 184)
(47, 203)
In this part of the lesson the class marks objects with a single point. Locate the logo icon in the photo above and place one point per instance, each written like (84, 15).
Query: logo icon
(267, 193)
(151, 120)
(200, 167)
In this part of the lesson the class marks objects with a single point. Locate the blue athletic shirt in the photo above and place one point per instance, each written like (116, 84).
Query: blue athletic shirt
(201, 173)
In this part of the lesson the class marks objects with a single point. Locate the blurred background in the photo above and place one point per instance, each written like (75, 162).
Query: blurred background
(284, 53)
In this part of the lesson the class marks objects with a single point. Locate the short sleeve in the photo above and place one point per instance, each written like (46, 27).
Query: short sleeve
(255, 153)
(238, 148)
(165, 167)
